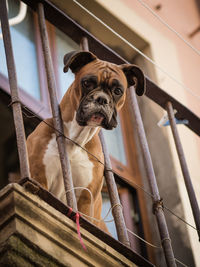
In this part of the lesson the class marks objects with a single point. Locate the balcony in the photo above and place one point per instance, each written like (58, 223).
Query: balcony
(35, 232)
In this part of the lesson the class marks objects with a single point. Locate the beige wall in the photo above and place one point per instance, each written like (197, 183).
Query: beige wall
(178, 60)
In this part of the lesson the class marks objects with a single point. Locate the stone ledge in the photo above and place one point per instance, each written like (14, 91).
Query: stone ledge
(33, 231)
(18, 251)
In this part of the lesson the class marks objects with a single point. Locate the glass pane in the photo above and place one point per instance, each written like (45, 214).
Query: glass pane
(64, 45)
(24, 50)
(115, 144)
(105, 208)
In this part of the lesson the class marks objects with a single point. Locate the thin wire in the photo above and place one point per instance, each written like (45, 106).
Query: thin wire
(181, 218)
(108, 212)
(140, 187)
(154, 246)
(104, 219)
(169, 27)
(181, 262)
(108, 221)
(91, 197)
(98, 220)
(138, 51)
(148, 243)
(92, 205)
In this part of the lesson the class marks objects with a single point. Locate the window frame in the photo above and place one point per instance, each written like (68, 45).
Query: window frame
(40, 107)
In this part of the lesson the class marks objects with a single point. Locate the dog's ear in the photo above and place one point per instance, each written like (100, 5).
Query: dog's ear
(75, 60)
(135, 76)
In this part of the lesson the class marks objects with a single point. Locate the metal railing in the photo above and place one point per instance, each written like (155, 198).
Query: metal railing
(57, 120)
(153, 92)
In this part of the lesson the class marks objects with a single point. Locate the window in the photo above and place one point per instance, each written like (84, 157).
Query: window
(30, 67)
(24, 48)
(106, 205)
(63, 45)
(115, 143)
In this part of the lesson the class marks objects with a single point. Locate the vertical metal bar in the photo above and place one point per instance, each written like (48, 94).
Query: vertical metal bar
(157, 202)
(110, 181)
(84, 44)
(16, 105)
(57, 120)
(114, 197)
(185, 171)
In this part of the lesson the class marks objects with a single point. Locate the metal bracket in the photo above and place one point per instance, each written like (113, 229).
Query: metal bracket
(158, 204)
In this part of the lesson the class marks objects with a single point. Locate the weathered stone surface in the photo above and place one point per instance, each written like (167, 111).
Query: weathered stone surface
(32, 233)
(18, 251)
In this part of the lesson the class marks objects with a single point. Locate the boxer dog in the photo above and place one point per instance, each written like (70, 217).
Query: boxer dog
(90, 103)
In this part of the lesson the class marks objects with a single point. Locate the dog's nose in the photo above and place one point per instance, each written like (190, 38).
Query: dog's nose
(102, 100)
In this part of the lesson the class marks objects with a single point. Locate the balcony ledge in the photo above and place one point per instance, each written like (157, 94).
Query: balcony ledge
(33, 233)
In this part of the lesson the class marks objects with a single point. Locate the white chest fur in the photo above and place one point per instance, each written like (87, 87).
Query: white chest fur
(81, 166)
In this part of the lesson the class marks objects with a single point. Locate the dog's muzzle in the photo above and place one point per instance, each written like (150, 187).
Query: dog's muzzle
(96, 109)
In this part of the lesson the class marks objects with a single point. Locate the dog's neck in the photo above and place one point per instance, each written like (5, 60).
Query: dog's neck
(80, 134)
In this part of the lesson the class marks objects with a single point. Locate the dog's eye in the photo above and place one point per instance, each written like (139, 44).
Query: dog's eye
(117, 91)
(88, 84)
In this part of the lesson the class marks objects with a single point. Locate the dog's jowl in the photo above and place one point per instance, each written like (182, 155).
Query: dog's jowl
(91, 103)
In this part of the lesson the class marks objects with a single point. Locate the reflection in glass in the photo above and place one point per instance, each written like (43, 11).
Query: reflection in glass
(24, 52)
(115, 144)
(105, 208)
(64, 45)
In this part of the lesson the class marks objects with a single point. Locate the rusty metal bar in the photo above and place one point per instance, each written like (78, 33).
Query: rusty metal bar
(84, 44)
(114, 197)
(16, 105)
(185, 171)
(157, 202)
(57, 120)
(110, 181)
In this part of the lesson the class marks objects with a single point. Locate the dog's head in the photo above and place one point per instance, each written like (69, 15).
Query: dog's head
(100, 87)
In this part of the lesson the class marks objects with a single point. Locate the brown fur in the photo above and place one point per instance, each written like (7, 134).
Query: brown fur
(37, 142)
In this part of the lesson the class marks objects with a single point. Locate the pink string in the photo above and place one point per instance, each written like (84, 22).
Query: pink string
(69, 212)
(77, 218)
(78, 230)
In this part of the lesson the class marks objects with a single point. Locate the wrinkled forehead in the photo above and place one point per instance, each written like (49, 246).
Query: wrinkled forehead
(105, 72)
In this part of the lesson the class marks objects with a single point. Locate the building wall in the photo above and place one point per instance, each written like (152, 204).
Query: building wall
(181, 62)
